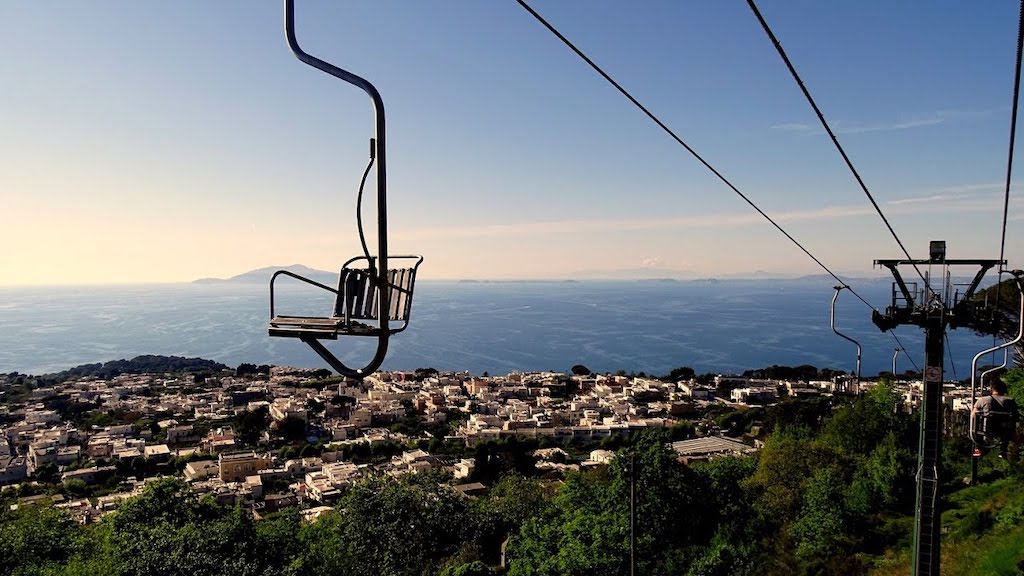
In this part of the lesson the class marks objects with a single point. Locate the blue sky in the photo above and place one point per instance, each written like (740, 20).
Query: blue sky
(153, 142)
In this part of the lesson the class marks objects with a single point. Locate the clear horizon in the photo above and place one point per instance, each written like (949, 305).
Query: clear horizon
(753, 275)
(166, 143)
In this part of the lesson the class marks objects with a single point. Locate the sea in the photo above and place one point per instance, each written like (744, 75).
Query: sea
(724, 326)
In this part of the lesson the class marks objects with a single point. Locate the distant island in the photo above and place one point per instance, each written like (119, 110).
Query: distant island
(262, 275)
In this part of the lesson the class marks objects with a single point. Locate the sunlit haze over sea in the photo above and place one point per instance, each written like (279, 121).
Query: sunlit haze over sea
(488, 326)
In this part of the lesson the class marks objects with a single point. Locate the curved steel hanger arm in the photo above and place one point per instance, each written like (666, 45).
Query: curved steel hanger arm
(838, 333)
(1006, 359)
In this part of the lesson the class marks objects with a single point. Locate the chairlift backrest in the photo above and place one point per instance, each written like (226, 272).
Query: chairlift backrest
(357, 294)
(997, 419)
(996, 424)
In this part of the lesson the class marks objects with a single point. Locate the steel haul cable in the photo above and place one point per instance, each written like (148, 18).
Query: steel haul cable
(1009, 158)
(700, 159)
(831, 134)
(1013, 131)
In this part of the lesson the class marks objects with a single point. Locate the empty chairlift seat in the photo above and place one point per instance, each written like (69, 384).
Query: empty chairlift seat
(371, 299)
(356, 310)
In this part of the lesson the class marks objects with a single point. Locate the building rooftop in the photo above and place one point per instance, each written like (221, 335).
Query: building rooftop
(711, 445)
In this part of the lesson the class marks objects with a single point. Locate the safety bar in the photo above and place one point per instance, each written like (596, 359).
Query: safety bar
(297, 277)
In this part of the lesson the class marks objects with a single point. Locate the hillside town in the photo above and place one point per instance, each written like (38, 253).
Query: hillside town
(281, 437)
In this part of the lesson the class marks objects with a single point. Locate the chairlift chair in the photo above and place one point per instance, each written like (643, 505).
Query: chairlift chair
(832, 323)
(991, 427)
(986, 431)
(371, 299)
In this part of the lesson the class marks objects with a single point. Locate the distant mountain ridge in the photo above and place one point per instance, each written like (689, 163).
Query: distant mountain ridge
(262, 275)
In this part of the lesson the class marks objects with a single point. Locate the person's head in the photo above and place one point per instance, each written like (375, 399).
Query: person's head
(998, 387)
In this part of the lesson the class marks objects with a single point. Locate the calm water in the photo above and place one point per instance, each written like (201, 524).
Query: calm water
(495, 327)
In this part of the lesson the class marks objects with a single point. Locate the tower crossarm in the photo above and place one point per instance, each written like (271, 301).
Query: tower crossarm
(964, 311)
(985, 266)
(892, 266)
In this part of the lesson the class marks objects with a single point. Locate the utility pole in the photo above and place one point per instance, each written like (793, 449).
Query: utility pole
(933, 308)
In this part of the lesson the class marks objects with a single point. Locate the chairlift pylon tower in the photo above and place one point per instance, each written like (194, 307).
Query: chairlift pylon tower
(933, 307)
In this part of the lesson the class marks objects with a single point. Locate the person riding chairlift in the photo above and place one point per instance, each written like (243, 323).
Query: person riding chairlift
(999, 415)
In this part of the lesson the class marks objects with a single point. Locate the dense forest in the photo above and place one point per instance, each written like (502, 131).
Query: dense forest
(831, 492)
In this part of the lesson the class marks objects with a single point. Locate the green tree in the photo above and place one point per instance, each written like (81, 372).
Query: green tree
(47, 474)
(402, 527)
(33, 537)
(168, 500)
(681, 373)
(784, 466)
(323, 549)
(249, 425)
(1014, 379)
(671, 502)
(724, 479)
(586, 530)
(168, 531)
(882, 479)
(821, 527)
(75, 487)
(858, 427)
(580, 370)
(738, 534)
(727, 555)
(96, 553)
(512, 502)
